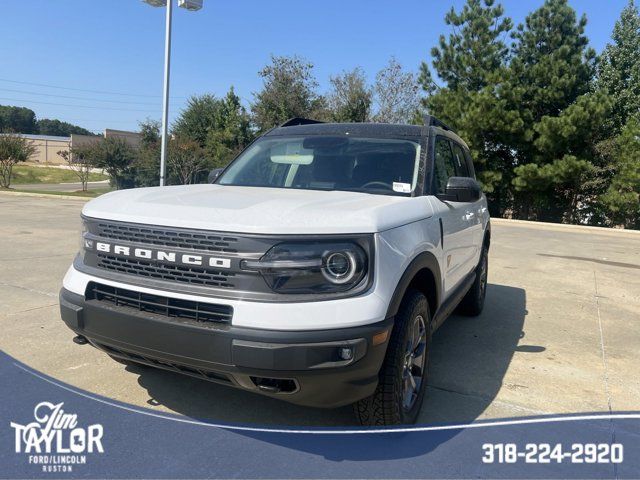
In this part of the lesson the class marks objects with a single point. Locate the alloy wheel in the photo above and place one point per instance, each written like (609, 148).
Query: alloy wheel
(415, 356)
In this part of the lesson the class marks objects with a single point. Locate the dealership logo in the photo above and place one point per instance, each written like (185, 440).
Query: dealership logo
(158, 255)
(55, 440)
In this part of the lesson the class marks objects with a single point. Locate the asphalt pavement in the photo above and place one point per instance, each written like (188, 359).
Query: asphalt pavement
(560, 332)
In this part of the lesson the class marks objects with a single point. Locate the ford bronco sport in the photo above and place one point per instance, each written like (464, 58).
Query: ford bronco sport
(315, 268)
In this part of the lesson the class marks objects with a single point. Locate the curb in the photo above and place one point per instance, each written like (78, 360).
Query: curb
(45, 195)
(564, 227)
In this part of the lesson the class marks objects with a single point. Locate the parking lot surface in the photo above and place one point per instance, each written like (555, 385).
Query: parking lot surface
(560, 332)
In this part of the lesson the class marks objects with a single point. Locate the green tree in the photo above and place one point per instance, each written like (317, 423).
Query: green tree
(475, 50)
(186, 159)
(117, 157)
(220, 126)
(289, 90)
(18, 120)
(350, 97)
(149, 132)
(622, 198)
(472, 62)
(550, 83)
(201, 115)
(619, 68)
(147, 162)
(80, 162)
(552, 63)
(232, 132)
(47, 126)
(13, 149)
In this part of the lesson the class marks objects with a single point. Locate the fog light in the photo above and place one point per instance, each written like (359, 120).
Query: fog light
(346, 353)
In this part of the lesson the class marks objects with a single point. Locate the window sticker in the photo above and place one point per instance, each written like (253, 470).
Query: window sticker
(401, 187)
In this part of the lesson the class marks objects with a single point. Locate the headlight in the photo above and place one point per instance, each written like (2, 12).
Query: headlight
(84, 242)
(312, 267)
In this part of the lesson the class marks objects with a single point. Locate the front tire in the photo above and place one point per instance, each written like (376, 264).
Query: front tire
(403, 376)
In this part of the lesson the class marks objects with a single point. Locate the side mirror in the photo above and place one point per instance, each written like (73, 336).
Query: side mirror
(461, 189)
(214, 174)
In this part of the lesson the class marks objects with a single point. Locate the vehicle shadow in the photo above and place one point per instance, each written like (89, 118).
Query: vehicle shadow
(470, 356)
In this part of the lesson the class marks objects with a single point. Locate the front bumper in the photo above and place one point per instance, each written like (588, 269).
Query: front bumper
(302, 367)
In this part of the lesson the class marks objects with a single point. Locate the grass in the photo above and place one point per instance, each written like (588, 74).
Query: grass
(96, 192)
(24, 174)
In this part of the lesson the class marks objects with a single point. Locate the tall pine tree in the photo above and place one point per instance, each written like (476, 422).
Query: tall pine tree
(472, 63)
(550, 82)
(622, 198)
(619, 76)
(619, 68)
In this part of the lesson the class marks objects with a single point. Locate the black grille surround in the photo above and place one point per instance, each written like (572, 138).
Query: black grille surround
(171, 273)
(201, 313)
(167, 237)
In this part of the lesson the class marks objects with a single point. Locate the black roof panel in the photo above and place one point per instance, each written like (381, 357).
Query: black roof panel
(358, 129)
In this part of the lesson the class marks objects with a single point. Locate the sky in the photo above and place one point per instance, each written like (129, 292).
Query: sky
(99, 63)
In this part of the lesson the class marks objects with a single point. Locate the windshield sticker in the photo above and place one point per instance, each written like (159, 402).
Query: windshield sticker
(401, 187)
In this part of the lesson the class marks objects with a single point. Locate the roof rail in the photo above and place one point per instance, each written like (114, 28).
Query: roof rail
(431, 121)
(292, 122)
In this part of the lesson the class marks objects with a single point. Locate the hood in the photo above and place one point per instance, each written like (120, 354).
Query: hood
(259, 210)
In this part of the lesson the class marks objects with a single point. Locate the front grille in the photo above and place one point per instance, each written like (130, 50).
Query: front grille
(168, 237)
(172, 273)
(156, 304)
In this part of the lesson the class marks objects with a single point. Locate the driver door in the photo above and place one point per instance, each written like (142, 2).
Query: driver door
(454, 217)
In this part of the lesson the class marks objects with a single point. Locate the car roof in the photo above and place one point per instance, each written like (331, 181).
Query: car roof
(358, 129)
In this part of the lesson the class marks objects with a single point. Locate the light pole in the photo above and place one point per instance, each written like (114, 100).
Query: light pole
(192, 5)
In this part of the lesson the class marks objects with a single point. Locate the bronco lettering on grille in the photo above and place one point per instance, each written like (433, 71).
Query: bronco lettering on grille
(159, 255)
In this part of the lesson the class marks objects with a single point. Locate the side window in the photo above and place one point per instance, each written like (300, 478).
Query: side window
(444, 164)
(461, 163)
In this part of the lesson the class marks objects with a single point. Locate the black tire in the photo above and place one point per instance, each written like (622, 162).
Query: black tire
(473, 302)
(389, 404)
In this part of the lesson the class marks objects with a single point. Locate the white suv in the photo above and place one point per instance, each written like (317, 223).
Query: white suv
(315, 268)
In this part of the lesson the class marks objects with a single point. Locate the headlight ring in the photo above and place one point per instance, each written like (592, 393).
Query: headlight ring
(340, 267)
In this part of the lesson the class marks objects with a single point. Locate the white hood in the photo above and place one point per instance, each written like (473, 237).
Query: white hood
(259, 210)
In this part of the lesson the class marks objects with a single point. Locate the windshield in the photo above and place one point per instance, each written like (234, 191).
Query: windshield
(373, 165)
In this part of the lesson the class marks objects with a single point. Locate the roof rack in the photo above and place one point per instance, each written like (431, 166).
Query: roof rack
(292, 122)
(431, 121)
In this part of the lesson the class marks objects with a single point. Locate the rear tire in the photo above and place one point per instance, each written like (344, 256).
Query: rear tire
(473, 302)
(403, 376)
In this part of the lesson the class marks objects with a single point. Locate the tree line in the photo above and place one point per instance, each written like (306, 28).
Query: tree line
(24, 120)
(554, 129)
(210, 131)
